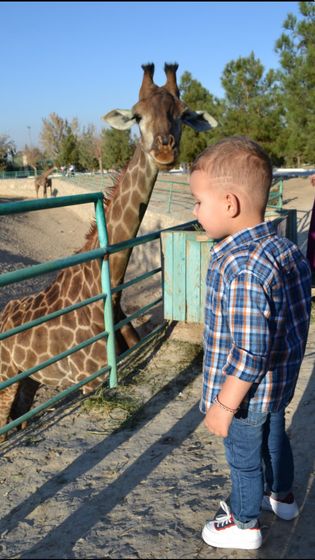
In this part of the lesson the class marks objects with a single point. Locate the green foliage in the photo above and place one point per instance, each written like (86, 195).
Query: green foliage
(90, 149)
(52, 134)
(60, 140)
(198, 98)
(7, 152)
(69, 149)
(296, 48)
(253, 104)
(117, 148)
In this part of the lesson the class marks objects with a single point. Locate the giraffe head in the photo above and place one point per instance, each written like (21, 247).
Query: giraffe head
(160, 114)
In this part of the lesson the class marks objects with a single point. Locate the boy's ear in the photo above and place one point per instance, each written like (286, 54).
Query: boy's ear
(232, 205)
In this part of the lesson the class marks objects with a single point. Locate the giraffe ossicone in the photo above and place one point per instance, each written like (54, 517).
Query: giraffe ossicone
(160, 114)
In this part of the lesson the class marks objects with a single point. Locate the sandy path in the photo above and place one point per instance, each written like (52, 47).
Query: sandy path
(82, 483)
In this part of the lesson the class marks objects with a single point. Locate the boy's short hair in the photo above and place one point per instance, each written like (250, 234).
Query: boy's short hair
(239, 160)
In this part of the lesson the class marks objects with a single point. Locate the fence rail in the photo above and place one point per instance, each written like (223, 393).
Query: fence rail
(177, 194)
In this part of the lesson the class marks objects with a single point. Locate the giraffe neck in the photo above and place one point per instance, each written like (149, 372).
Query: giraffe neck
(126, 210)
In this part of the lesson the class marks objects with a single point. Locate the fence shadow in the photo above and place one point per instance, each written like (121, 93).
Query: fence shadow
(294, 539)
(80, 522)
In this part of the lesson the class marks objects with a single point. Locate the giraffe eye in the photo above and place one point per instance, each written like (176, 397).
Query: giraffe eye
(137, 118)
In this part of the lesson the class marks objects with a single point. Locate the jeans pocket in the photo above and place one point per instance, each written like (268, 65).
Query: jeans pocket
(251, 418)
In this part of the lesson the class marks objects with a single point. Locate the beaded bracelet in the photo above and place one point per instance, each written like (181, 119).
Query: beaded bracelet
(232, 410)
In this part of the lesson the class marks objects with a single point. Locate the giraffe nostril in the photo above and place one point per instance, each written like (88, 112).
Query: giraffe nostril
(171, 141)
(166, 140)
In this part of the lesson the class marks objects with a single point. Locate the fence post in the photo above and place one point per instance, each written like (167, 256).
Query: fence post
(106, 287)
(280, 200)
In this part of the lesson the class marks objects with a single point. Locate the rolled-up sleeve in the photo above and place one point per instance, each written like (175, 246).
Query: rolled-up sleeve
(248, 314)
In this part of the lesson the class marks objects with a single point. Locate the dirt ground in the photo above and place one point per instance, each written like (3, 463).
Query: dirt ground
(136, 475)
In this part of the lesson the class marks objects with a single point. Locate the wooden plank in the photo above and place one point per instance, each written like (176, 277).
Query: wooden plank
(168, 276)
(193, 282)
(179, 275)
(186, 256)
(205, 257)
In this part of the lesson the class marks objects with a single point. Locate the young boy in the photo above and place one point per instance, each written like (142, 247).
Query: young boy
(256, 324)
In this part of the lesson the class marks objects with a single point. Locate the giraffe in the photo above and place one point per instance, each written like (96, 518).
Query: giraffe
(44, 181)
(160, 114)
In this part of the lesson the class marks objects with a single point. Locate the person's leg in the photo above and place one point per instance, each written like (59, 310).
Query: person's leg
(243, 448)
(239, 527)
(279, 468)
(277, 456)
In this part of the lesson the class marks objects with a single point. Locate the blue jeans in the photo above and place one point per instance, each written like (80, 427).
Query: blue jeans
(259, 454)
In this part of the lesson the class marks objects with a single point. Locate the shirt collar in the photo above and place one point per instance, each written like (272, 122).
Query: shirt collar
(244, 237)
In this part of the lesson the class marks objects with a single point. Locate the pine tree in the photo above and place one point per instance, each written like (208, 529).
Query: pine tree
(296, 48)
(117, 148)
(253, 104)
(198, 98)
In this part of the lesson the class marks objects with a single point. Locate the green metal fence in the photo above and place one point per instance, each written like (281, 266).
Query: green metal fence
(109, 334)
(20, 174)
(172, 194)
(177, 194)
(275, 199)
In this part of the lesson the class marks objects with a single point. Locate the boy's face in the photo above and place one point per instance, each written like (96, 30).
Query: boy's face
(210, 204)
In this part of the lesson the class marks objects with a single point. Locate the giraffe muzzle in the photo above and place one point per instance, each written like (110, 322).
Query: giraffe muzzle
(164, 151)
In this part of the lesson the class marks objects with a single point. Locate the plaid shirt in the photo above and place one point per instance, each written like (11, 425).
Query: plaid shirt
(257, 316)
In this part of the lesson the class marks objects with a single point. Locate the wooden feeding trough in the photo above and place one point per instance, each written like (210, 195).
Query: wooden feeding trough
(185, 261)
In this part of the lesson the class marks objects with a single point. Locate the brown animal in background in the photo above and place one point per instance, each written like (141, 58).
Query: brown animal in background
(44, 181)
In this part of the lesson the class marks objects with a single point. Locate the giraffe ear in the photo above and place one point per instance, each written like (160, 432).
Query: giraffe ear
(122, 119)
(199, 120)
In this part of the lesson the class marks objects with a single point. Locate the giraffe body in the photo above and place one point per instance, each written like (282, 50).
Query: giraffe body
(160, 114)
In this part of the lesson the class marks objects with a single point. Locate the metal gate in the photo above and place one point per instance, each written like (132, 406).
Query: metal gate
(110, 365)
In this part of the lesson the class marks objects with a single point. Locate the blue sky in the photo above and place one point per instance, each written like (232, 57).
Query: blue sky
(83, 59)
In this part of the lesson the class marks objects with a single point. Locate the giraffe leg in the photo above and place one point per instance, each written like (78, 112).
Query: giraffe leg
(7, 397)
(127, 335)
(130, 335)
(24, 399)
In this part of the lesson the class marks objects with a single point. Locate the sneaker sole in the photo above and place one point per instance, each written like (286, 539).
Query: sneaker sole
(210, 539)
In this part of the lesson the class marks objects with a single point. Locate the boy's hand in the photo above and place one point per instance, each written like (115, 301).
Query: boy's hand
(218, 421)
(233, 391)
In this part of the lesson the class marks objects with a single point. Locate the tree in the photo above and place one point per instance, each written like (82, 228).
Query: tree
(117, 147)
(198, 98)
(60, 140)
(253, 104)
(33, 157)
(68, 149)
(296, 48)
(90, 149)
(52, 134)
(7, 151)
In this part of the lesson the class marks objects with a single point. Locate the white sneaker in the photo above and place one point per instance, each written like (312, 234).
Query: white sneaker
(286, 508)
(224, 533)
